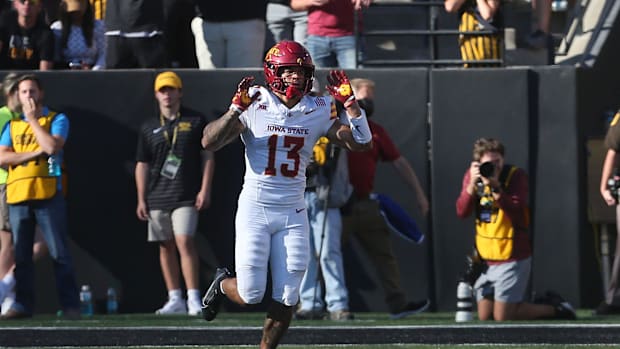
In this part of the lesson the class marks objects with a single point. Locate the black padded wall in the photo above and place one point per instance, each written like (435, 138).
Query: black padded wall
(564, 244)
(466, 105)
(532, 111)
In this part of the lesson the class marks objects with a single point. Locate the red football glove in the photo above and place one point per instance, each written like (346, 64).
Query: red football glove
(340, 87)
(242, 100)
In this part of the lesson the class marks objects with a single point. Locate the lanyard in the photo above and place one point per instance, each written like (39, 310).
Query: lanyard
(174, 131)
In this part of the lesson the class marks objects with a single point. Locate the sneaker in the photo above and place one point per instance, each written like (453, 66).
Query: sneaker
(7, 303)
(563, 309)
(194, 307)
(606, 309)
(309, 314)
(410, 309)
(538, 40)
(14, 314)
(213, 297)
(172, 306)
(4, 290)
(341, 315)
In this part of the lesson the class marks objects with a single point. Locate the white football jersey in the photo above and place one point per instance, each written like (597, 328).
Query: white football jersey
(278, 145)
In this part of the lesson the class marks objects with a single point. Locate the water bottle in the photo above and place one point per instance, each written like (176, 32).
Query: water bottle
(86, 301)
(112, 303)
(53, 167)
(464, 302)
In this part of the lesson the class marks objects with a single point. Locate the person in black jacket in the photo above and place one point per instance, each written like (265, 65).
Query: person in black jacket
(135, 34)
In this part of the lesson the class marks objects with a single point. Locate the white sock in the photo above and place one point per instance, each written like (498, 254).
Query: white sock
(9, 280)
(175, 294)
(193, 294)
(222, 288)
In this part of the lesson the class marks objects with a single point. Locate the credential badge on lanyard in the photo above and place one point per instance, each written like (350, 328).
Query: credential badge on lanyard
(171, 165)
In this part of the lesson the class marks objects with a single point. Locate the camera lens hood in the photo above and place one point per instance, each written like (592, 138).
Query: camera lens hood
(487, 169)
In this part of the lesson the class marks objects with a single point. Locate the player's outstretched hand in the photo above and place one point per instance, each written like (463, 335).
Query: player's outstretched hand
(340, 87)
(242, 99)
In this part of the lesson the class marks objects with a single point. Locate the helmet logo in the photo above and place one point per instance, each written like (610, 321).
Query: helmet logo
(345, 90)
(300, 61)
(274, 51)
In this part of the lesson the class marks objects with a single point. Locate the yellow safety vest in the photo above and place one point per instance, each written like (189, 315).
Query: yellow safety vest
(30, 180)
(494, 239)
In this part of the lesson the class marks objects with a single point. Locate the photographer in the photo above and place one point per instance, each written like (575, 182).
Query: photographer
(497, 194)
(609, 191)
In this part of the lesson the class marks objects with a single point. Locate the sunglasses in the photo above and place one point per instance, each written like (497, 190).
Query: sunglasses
(32, 2)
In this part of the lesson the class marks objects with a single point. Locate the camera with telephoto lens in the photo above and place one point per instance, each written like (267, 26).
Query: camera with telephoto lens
(474, 267)
(487, 169)
(613, 184)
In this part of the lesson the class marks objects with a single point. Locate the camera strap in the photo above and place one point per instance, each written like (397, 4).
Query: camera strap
(506, 175)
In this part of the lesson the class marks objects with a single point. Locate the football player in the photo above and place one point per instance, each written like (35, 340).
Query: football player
(279, 124)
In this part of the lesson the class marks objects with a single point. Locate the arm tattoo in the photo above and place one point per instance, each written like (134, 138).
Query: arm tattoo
(222, 131)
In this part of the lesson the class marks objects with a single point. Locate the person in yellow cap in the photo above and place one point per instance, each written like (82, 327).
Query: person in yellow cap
(172, 187)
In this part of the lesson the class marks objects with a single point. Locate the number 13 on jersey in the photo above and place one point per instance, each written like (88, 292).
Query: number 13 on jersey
(290, 143)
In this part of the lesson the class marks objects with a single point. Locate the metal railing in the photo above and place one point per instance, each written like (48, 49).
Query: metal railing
(432, 34)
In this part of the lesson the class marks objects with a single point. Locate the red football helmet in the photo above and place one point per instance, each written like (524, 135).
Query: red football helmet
(287, 54)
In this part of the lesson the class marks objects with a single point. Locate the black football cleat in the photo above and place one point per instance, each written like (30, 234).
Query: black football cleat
(214, 296)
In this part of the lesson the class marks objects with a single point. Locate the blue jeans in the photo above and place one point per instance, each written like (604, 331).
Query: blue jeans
(285, 24)
(332, 52)
(336, 294)
(51, 216)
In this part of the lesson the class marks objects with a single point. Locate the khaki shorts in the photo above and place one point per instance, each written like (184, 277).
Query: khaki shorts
(164, 225)
(4, 210)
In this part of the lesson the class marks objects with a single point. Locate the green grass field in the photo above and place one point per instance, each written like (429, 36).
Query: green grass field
(382, 346)
(254, 320)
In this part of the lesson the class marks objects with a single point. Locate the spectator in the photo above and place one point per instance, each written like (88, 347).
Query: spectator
(611, 304)
(135, 34)
(7, 256)
(540, 36)
(80, 39)
(362, 216)
(178, 32)
(331, 30)
(98, 8)
(279, 125)
(49, 11)
(34, 196)
(26, 41)
(476, 16)
(173, 186)
(229, 34)
(327, 190)
(498, 194)
(284, 23)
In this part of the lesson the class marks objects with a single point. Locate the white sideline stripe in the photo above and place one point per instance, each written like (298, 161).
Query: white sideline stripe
(387, 327)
